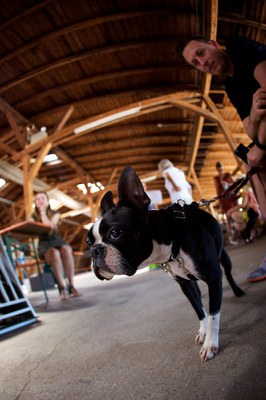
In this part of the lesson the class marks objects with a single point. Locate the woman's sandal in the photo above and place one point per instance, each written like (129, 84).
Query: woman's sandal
(63, 294)
(73, 291)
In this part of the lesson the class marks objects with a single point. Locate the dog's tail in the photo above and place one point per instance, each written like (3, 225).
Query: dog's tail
(227, 266)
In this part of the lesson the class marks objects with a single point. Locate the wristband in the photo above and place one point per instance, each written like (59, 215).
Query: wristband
(258, 144)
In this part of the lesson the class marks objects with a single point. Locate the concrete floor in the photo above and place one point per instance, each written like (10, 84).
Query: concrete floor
(132, 338)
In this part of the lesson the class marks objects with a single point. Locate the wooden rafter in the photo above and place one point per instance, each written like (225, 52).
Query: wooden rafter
(6, 108)
(85, 25)
(64, 119)
(145, 106)
(69, 160)
(33, 171)
(243, 21)
(144, 92)
(119, 74)
(110, 76)
(17, 122)
(63, 155)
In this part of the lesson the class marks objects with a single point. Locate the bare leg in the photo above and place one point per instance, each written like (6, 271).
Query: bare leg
(53, 257)
(68, 264)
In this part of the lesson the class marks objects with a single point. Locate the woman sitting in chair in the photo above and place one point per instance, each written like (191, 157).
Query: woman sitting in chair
(53, 248)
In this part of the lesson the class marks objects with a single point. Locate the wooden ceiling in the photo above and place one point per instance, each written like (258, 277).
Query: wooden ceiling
(112, 64)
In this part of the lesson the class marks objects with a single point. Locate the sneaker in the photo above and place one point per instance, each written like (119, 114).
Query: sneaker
(258, 275)
(232, 241)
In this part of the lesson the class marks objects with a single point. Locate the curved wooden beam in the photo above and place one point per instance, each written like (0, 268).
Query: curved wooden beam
(142, 107)
(109, 76)
(243, 21)
(84, 25)
(146, 92)
(22, 14)
(79, 57)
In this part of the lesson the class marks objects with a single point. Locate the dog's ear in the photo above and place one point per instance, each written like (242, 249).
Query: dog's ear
(107, 202)
(130, 190)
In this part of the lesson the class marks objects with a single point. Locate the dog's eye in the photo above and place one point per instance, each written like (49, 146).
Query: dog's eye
(115, 233)
(89, 242)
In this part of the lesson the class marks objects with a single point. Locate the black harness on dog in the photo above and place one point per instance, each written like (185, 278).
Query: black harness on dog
(178, 211)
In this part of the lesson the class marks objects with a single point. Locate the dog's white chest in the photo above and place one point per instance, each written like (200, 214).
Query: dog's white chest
(182, 266)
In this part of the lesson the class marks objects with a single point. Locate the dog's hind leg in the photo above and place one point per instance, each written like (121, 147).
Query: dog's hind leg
(192, 292)
(227, 265)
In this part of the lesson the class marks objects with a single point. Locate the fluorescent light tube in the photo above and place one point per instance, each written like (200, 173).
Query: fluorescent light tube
(108, 118)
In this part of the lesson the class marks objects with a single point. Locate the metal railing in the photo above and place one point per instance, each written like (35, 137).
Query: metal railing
(15, 308)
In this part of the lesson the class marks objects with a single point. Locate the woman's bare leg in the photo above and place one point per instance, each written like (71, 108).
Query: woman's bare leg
(68, 264)
(53, 257)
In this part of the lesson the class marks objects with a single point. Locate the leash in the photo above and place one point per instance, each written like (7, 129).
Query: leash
(177, 208)
(227, 193)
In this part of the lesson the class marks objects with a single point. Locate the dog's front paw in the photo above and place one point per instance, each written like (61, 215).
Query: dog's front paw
(200, 336)
(210, 345)
(208, 351)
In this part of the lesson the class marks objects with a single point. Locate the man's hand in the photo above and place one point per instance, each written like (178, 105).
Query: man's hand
(258, 110)
(255, 156)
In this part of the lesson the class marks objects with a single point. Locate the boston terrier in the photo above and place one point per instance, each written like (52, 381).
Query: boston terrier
(184, 239)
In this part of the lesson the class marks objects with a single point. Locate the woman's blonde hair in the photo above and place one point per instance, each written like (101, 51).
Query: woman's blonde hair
(36, 214)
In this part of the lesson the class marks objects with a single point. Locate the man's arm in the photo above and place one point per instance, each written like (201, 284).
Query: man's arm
(255, 123)
(175, 186)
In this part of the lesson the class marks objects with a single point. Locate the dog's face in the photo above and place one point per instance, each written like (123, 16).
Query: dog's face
(118, 241)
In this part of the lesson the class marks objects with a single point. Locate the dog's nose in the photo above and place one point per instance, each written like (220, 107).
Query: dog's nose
(97, 250)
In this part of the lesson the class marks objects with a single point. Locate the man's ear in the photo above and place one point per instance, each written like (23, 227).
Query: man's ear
(130, 190)
(215, 44)
(107, 202)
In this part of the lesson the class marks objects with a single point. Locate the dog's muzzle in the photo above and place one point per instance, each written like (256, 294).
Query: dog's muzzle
(98, 253)
(108, 261)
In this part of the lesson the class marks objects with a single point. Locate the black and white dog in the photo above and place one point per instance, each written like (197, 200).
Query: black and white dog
(186, 240)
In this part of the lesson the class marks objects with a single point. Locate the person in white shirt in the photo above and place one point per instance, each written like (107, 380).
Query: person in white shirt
(175, 182)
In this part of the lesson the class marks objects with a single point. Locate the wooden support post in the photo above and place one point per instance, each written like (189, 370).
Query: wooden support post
(227, 134)
(197, 183)
(30, 174)
(28, 190)
(38, 163)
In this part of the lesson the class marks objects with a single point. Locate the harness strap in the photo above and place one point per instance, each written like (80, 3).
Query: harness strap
(168, 268)
(177, 209)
